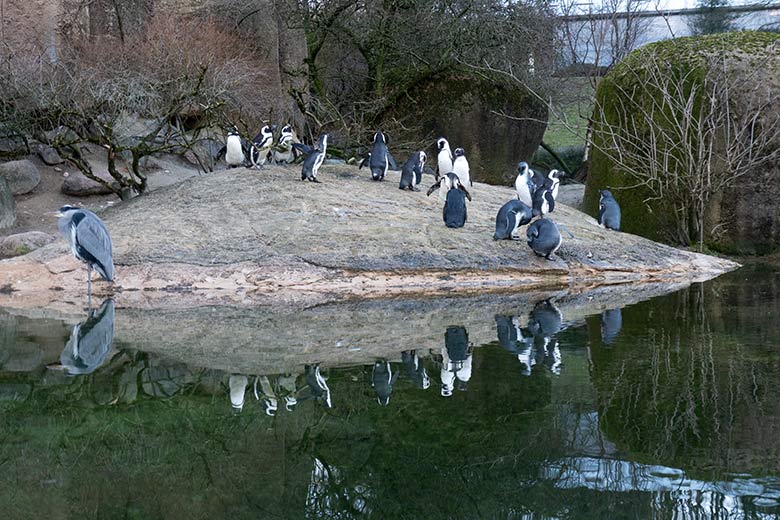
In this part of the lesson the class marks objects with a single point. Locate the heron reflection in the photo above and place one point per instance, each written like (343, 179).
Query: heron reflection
(456, 360)
(90, 341)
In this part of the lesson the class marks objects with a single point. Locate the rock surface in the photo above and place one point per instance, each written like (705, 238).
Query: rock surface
(7, 206)
(22, 176)
(249, 237)
(23, 243)
(78, 185)
(49, 155)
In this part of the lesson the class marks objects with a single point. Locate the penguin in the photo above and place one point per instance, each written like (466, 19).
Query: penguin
(314, 159)
(415, 370)
(411, 173)
(454, 212)
(444, 158)
(379, 159)
(460, 166)
(261, 146)
(611, 323)
(524, 185)
(543, 201)
(511, 338)
(382, 381)
(447, 183)
(283, 151)
(609, 211)
(510, 217)
(544, 238)
(234, 149)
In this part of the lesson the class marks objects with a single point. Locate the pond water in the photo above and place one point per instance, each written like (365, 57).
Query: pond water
(666, 408)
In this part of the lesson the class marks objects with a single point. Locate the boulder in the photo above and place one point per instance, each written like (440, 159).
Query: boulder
(49, 155)
(23, 243)
(22, 176)
(78, 185)
(741, 218)
(464, 108)
(7, 206)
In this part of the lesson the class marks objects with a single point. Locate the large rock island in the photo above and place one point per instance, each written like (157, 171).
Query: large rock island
(249, 237)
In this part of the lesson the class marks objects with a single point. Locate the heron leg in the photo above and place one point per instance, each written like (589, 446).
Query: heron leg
(89, 287)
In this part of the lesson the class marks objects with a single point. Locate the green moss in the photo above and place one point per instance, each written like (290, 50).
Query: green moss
(686, 59)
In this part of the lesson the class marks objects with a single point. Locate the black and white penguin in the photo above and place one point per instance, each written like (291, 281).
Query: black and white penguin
(264, 392)
(415, 370)
(234, 149)
(524, 184)
(460, 165)
(611, 323)
(284, 152)
(379, 159)
(411, 173)
(382, 381)
(261, 146)
(454, 212)
(543, 201)
(444, 158)
(544, 238)
(510, 217)
(609, 211)
(314, 159)
(445, 184)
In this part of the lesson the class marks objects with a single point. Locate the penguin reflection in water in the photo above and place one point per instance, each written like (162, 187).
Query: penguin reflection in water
(512, 339)
(90, 341)
(544, 322)
(382, 381)
(611, 323)
(456, 360)
(415, 370)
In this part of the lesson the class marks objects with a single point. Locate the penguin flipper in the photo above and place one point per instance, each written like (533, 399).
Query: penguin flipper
(305, 149)
(365, 160)
(221, 153)
(433, 188)
(392, 165)
(465, 191)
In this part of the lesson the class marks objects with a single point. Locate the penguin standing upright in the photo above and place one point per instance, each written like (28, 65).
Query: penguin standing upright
(454, 211)
(233, 149)
(524, 184)
(314, 159)
(544, 238)
(444, 158)
(284, 152)
(609, 211)
(543, 201)
(379, 158)
(411, 173)
(461, 167)
(261, 146)
(237, 384)
(510, 217)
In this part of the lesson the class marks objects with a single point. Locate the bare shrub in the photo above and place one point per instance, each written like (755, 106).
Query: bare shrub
(161, 89)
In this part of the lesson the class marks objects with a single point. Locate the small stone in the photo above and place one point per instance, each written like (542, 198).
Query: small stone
(57, 169)
(65, 174)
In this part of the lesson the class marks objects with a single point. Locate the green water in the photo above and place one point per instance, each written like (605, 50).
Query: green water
(669, 408)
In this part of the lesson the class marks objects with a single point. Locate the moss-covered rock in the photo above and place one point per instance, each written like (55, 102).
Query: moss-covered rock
(470, 110)
(742, 218)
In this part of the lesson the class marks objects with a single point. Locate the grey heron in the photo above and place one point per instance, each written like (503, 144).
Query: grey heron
(90, 342)
(89, 241)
